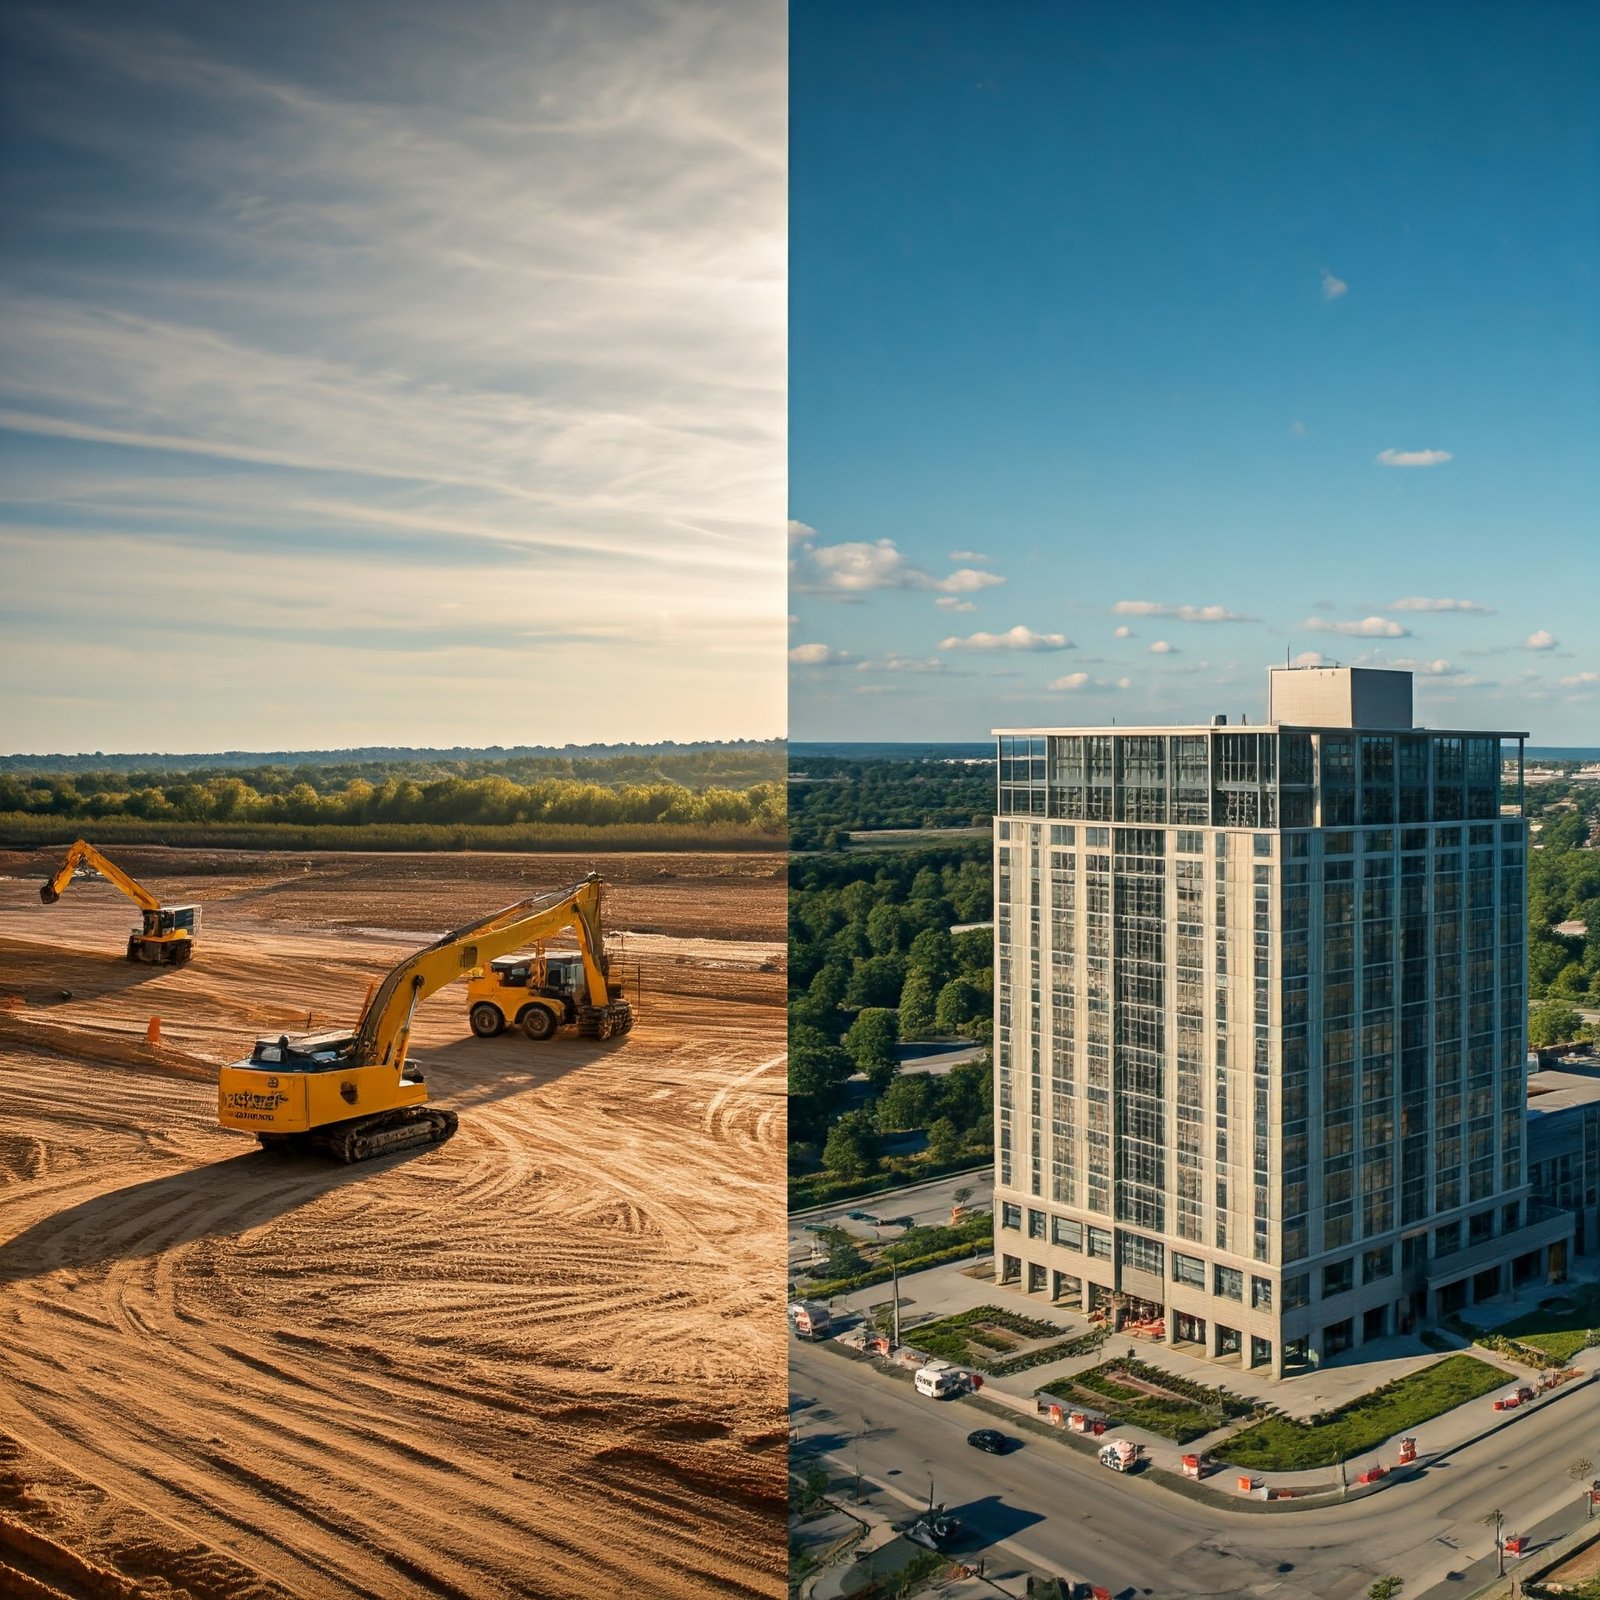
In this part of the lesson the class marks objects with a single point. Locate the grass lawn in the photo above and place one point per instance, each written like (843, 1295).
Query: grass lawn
(1279, 1444)
(978, 1337)
(1560, 1327)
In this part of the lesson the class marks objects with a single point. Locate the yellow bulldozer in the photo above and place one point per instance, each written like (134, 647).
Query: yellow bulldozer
(166, 937)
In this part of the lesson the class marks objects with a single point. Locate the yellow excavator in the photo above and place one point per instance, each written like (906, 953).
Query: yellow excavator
(542, 993)
(168, 933)
(354, 1095)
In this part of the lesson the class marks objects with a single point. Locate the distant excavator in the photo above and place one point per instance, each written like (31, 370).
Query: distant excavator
(355, 1095)
(167, 935)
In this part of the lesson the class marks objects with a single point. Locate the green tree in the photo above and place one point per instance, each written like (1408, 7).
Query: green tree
(960, 1002)
(918, 997)
(907, 1103)
(871, 1042)
(876, 982)
(934, 952)
(944, 1140)
(1553, 1022)
(852, 1147)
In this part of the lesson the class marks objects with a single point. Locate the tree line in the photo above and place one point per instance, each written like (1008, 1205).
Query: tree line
(275, 797)
(1563, 887)
(830, 796)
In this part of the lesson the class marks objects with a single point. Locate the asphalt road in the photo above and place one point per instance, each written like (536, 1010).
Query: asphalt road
(923, 1202)
(1060, 1512)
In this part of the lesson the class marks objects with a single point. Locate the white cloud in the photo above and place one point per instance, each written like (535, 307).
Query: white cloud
(902, 664)
(969, 555)
(1542, 640)
(1153, 608)
(1162, 648)
(1364, 628)
(1123, 632)
(1581, 680)
(817, 655)
(1075, 681)
(1413, 458)
(801, 532)
(1333, 287)
(1422, 603)
(1017, 638)
(948, 602)
(857, 568)
(1309, 658)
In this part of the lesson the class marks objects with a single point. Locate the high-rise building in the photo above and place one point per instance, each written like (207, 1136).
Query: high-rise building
(1261, 1023)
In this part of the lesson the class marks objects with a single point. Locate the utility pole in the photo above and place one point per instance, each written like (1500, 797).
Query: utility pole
(894, 1270)
(1496, 1520)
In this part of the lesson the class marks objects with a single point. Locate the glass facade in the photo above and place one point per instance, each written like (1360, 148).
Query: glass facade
(1260, 1008)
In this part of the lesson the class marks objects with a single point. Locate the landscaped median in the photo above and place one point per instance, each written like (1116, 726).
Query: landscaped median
(1280, 1444)
(990, 1339)
(1139, 1395)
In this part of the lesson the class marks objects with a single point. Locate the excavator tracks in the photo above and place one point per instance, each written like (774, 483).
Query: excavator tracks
(368, 1137)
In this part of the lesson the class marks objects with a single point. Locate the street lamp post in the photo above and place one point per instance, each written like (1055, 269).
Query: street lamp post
(1496, 1520)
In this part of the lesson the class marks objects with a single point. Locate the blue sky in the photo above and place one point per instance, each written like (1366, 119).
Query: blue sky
(390, 373)
(1133, 348)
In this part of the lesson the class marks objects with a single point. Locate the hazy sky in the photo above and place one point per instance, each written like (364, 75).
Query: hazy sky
(1136, 346)
(391, 373)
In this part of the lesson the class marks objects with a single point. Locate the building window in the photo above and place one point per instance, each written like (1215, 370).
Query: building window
(1261, 1294)
(1010, 1215)
(1337, 1278)
(1446, 1240)
(1036, 1225)
(1100, 1243)
(1377, 1264)
(1480, 1227)
(1511, 1218)
(1229, 1283)
(1297, 1291)
(1144, 1255)
(1066, 1233)
(1188, 1269)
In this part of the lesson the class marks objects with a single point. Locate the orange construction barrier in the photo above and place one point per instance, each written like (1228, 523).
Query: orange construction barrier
(1408, 1451)
(152, 1034)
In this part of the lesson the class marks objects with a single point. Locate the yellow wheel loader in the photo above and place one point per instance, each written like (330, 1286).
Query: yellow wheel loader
(354, 1095)
(543, 993)
(167, 935)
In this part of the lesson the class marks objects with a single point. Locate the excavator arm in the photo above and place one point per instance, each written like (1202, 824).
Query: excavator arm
(385, 1025)
(84, 854)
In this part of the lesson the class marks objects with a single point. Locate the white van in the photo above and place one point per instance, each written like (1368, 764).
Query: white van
(940, 1382)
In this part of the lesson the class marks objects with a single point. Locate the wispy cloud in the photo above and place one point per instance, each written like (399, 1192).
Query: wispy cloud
(532, 310)
(858, 568)
(1413, 458)
(969, 555)
(912, 664)
(950, 602)
(1542, 640)
(1075, 682)
(1361, 628)
(1332, 287)
(1297, 430)
(1017, 638)
(1152, 608)
(1581, 680)
(1422, 603)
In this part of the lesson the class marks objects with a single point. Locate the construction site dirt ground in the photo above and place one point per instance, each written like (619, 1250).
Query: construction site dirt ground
(546, 1358)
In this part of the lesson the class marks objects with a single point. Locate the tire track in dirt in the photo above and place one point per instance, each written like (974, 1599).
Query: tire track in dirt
(543, 1360)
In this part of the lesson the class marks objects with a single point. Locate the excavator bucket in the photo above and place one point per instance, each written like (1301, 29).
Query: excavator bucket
(47, 892)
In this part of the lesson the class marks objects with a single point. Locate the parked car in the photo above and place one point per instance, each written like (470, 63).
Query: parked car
(860, 1216)
(990, 1440)
(813, 1227)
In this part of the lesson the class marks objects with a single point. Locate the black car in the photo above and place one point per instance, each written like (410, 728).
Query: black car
(989, 1439)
